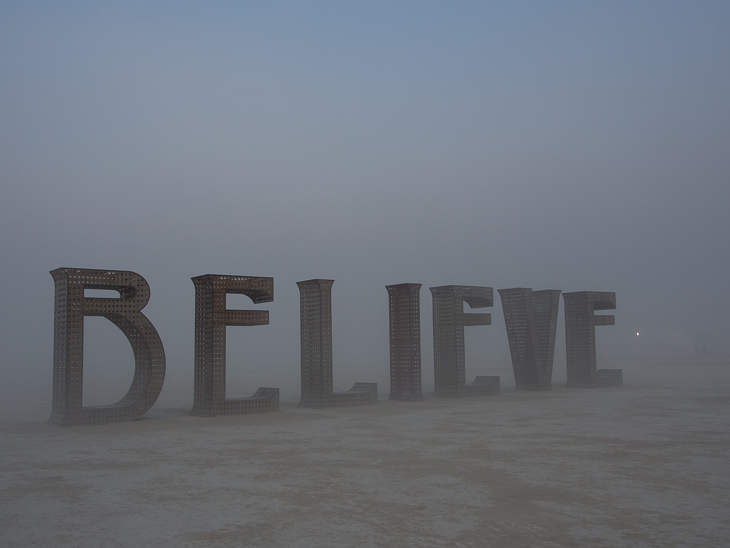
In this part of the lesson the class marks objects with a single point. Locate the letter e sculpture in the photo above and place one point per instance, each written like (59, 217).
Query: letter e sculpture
(580, 338)
(449, 320)
(211, 319)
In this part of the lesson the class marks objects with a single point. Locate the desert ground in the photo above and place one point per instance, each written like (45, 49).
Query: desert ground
(645, 464)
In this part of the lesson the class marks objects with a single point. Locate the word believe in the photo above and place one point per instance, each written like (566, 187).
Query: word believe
(530, 317)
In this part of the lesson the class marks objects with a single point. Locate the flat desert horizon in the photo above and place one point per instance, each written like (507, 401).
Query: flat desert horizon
(644, 464)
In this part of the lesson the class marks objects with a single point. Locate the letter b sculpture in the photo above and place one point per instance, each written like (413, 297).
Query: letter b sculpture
(68, 353)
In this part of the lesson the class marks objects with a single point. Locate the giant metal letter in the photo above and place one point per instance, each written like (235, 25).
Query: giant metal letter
(449, 320)
(68, 353)
(405, 341)
(531, 318)
(315, 299)
(211, 319)
(580, 338)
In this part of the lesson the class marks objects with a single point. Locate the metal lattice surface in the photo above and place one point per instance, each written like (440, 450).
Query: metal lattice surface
(315, 300)
(531, 318)
(449, 320)
(71, 305)
(211, 319)
(405, 341)
(580, 338)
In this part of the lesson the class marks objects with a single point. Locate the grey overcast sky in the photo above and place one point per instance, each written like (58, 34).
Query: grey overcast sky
(566, 144)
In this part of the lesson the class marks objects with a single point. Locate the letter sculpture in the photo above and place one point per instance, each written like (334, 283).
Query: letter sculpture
(449, 320)
(315, 298)
(531, 318)
(68, 354)
(211, 319)
(405, 341)
(580, 338)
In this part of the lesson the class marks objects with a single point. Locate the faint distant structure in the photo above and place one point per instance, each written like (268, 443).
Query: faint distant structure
(405, 341)
(704, 339)
(580, 338)
(68, 353)
(531, 318)
(315, 300)
(211, 319)
(449, 320)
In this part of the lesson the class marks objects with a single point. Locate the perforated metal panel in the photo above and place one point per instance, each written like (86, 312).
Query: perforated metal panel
(405, 341)
(531, 318)
(580, 338)
(211, 319)
(68, 355)
(449, 320)
(315, 301)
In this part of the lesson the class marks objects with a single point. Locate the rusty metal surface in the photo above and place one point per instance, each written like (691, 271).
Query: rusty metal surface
(71, 305)
(531, 318)
(211, 319)
(580, 338)
(449, 320)
(405, 341)
(315, 301)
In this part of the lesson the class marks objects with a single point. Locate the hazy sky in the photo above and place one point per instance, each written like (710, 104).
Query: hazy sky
(567, 145)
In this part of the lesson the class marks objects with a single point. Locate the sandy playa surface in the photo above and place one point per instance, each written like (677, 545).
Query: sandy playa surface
(646, 464)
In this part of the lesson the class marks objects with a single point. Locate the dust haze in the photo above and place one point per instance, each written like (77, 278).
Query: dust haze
(547, 145)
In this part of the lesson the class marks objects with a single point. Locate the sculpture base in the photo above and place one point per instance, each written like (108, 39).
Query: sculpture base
(361, 393)
(483, 385)
(412, 396)
(265, 400)
(534, 387)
